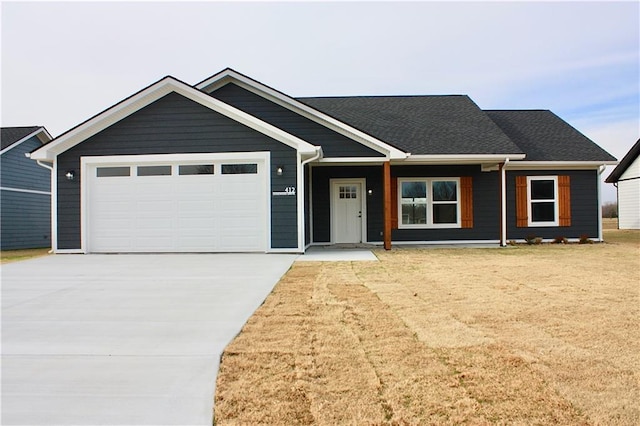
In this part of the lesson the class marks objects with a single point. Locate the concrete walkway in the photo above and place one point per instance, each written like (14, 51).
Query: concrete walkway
(124, 339)
(337, 254)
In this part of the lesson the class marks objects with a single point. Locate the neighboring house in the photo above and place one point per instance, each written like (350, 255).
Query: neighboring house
(25, 190)
(231, 164)
(626, 178)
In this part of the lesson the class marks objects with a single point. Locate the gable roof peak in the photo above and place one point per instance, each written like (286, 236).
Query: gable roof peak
(624, 164)
(13, 136)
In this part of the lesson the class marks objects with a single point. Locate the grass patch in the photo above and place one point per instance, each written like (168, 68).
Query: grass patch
(7, 256)
(525, 335)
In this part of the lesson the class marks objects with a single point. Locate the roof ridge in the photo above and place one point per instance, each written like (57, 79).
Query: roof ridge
(378, 96)
(519, 110)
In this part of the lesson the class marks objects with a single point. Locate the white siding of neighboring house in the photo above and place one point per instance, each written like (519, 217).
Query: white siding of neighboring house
(629, 197)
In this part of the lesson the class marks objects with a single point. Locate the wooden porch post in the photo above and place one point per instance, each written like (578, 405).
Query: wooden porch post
(386, 177)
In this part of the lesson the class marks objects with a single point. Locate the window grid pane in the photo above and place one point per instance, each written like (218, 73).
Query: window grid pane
(154, 170)
(542, 190)
(239, 169)
(543, 211)
(113, 171)
(414, 214)
(350, 192)
(195, 169)
(445, 213)
(444, 191)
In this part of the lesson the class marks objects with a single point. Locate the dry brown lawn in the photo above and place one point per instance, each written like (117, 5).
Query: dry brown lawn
(543, 334)
(7, 256)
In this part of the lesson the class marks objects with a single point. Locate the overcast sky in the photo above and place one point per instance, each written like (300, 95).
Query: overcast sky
(64, 62)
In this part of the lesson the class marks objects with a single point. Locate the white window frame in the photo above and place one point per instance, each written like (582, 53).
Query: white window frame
(530, 201)
(430, 203)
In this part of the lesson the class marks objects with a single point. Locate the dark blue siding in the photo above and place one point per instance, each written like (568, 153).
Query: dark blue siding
(174, 124)
(18, 171)
(486, 204)
(307, 204)
(584, 206)
(485, 196)
(26, 220)
(25, 217)
(333, 144)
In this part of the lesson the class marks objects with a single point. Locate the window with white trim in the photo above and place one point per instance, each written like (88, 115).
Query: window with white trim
(542, 202)
(429, 202)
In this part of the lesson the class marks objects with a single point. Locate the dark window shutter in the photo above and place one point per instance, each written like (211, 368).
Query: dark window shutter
(522, 219)
(564, 200)
(466, 201)
(394, 202)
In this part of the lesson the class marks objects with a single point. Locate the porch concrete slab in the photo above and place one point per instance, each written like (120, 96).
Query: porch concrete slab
(336, 254)
(124, 339)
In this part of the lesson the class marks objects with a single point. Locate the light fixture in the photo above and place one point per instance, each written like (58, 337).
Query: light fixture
(70, 175)
(370, 192)
(279, 170)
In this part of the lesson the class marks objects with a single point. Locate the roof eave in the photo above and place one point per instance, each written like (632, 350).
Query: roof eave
(41, 133)
(624, 164)
(565, 165)
(462, 158)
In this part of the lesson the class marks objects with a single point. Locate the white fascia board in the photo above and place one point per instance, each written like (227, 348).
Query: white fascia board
(461, 158)
(152, 94)
(41, 133)
(554, 165)
(298, 107)
(353, 160)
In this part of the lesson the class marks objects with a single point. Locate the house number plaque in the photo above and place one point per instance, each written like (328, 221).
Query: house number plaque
(289, 190)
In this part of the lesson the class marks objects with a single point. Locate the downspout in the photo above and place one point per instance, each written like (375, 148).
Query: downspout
(50, 168)
(315, 157)
(600, 233)
(302, 222)
(503, 203)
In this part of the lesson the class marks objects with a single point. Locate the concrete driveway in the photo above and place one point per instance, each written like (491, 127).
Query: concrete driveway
(124, 339)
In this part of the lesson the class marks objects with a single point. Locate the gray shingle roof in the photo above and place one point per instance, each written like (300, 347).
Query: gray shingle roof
(454, 124)
(10, 135)
(626, 161)
(544, 136)
(421, 125)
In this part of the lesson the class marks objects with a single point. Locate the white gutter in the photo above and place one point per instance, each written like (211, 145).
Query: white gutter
(301, 220)
(53, 207)
(315, 157)
(600, 171)
(503, 203)
(461, 158)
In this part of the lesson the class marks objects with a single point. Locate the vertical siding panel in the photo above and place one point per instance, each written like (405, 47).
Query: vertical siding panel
(466, 201)
(522, 217)
(564, 200)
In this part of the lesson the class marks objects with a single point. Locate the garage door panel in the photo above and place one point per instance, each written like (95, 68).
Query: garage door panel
(153, 244)
(190, 213)
(196, 209)
(203, 222)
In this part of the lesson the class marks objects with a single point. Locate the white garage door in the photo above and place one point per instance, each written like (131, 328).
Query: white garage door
(185, 206)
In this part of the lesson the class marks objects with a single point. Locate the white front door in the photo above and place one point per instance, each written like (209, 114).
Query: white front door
(348, 215)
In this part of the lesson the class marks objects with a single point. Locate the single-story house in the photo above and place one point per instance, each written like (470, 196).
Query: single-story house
(231, 164)
(626, 178)
(25, 190)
